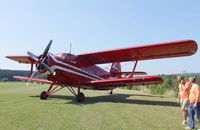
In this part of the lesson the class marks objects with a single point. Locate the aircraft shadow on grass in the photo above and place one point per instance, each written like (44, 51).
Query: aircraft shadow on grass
(115, 98)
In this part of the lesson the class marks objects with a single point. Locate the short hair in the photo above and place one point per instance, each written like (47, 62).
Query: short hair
(192, 79)
(179, 77)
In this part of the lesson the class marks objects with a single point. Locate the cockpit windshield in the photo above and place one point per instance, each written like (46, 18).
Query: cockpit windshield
(67, 57)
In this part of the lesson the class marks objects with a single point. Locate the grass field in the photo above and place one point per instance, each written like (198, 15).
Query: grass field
(21, 109)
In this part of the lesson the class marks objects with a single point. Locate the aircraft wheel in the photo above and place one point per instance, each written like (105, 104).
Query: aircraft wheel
(43, 95)
(80, 97)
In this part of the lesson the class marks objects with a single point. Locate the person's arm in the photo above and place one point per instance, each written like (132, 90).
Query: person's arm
(178, 98)
(197, 91)
(195, 104)
(185, 86)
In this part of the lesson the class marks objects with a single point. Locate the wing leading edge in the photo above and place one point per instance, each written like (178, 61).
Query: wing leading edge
(36, 80)
(145, 52)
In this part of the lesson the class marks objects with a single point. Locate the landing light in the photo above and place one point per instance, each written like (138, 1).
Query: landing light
(54, 73)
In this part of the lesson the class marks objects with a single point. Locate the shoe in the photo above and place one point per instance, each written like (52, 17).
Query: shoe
(188, 128)
(198, 121)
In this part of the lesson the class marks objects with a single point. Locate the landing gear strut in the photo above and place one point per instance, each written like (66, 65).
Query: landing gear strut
(80, 97)
(44, 94)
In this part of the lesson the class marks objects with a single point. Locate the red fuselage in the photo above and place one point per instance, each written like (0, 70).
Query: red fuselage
(68, 72)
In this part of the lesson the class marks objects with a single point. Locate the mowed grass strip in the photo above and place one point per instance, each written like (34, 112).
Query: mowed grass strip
(21, 109)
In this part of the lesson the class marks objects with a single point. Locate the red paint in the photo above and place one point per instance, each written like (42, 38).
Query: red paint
(81, 71)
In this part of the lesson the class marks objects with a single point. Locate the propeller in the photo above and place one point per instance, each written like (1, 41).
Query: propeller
(32, 75)
(40, 61)
(33, 56)
(46, 50)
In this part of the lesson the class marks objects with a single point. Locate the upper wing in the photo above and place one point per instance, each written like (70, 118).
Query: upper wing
(37, 80)
(22, 59)
(137, 80)
(145, 52)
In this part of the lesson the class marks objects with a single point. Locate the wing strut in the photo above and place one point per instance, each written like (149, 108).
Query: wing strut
(134, 68)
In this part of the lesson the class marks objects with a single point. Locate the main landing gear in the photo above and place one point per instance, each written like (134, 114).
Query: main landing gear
(43, 95)
(80, 97)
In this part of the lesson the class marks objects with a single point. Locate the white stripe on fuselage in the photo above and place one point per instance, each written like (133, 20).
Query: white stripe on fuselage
(91, 76)
(54, 67)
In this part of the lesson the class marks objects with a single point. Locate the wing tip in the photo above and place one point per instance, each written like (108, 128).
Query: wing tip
(21, 59)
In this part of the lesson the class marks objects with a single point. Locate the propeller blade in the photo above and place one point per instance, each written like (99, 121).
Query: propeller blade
(32, 75)
(47, 68)
(47, 49)
(33, 56)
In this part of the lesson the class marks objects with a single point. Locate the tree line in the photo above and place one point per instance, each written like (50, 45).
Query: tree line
(170, 83)
(7, 75)
(169, 87)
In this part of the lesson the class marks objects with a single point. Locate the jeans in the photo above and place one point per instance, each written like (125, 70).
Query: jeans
(192, 111)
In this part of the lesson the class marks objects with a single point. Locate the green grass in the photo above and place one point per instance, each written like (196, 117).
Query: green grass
(21, 109)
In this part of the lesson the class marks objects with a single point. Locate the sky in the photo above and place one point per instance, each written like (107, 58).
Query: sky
(94, 25)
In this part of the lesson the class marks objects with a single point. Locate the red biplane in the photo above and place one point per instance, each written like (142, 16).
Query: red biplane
(67, 70)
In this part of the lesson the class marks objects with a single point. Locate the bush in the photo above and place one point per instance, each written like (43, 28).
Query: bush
(157, 89)
(4, 79)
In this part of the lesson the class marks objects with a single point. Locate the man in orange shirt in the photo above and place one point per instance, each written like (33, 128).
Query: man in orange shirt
(183, 97)
(194, 105)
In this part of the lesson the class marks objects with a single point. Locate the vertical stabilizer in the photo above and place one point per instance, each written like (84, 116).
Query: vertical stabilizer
(115, 70)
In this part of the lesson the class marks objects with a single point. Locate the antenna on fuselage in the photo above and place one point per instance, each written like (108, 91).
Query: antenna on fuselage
(70, 48)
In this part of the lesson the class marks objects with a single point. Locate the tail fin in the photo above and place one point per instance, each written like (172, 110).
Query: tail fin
(115, 70)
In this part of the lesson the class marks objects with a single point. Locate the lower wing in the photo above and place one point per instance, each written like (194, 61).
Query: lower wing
(136, 80)
(36, 80)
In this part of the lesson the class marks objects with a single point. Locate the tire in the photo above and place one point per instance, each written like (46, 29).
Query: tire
(80, 97)
(43, 95)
